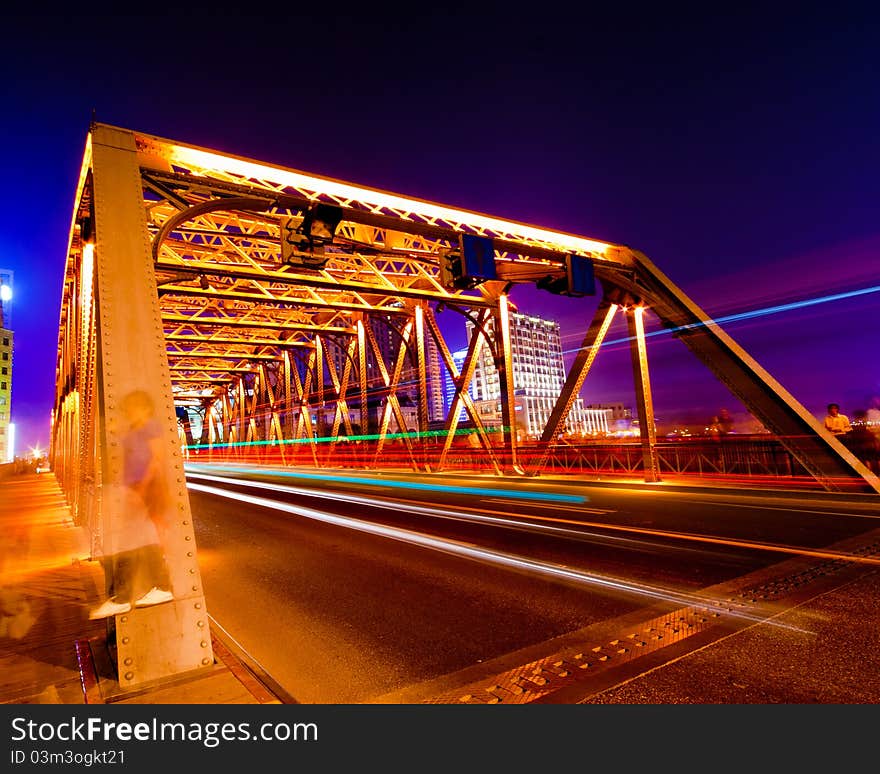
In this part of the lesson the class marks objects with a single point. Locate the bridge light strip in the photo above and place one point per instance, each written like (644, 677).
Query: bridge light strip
(470, 551)
(347, 192)
(397, 484)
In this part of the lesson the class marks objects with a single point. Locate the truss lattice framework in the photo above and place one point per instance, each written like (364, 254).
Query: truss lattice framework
(175, 286)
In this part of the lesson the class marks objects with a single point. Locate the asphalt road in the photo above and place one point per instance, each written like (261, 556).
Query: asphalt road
(347, 587)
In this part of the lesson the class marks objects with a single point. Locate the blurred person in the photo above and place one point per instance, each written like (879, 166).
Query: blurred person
(16, 615)
(134, 560)
(836, 423)
(725, 422)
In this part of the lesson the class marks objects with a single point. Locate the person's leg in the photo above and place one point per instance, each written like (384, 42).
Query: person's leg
(157, 582)
(118, 579)
(157, 569)
(123, 583)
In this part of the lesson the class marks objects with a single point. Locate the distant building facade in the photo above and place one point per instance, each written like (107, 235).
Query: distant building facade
(6, 339)
(449, 388)
(538, 378)
(609, 418)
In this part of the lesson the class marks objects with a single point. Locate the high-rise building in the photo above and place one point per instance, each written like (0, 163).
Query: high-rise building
(6, 441)
(538, 378)
(449, 388)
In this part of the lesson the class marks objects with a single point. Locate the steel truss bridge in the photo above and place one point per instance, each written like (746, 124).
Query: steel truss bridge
(287, 309)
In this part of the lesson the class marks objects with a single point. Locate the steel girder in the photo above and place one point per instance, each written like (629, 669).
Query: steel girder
(109, 350)
(825, 457)
(175, 282)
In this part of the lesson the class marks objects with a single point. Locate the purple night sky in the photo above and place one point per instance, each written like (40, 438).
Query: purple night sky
(739, 152)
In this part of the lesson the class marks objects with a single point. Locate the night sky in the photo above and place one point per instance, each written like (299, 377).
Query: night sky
(739, 152)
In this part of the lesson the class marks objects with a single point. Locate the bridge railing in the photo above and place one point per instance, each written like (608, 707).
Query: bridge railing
(753, 460)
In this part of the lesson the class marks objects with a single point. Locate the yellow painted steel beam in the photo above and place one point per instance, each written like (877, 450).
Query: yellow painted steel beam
(644, 399)
(504, 366)
(583, 361)
(820, 453)
(162, 154)
(163, 640)
(326, 281)
(462, 382)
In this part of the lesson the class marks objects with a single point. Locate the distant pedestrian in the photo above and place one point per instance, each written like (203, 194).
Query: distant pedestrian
(836, 423)
(725, 422)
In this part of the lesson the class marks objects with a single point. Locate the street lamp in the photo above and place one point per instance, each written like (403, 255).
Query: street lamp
(5, 293)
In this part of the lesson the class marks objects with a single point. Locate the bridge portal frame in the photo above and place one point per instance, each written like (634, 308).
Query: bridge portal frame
(176, 284)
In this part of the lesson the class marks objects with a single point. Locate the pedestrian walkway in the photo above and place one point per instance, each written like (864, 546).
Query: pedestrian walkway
(50, 652)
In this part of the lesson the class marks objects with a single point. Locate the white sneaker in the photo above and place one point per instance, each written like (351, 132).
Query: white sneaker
(108, 608)
(154, 596)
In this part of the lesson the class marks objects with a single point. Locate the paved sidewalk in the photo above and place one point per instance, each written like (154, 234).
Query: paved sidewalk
(50, 652)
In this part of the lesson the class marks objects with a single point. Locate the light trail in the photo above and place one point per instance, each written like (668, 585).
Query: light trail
(397, 484)
(749, 544)
(471, 515)
(470, 551)
(574, 508)
(755, 313)
(474, 515)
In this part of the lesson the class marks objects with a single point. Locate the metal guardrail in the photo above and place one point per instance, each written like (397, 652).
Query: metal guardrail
(748, 459)
(748, 456)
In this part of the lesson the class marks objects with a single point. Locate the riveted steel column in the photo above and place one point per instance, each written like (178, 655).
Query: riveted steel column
(362, 376)
(319, 385)
(504, 366)
(644, 402)
(162, 640)
(422, 373)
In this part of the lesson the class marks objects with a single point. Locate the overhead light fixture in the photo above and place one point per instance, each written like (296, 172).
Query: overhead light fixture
(303, 239)
(321, 221)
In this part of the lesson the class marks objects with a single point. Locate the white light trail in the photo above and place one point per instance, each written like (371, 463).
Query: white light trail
(470, 551)
(468, 516)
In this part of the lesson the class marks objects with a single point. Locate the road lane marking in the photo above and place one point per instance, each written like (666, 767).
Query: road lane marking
(516, 522)
(473, 552)
(575, 508)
